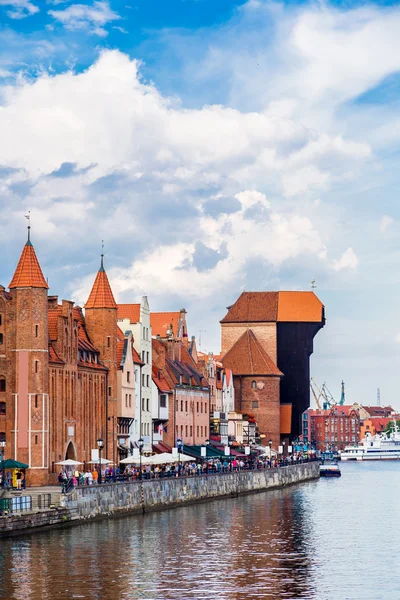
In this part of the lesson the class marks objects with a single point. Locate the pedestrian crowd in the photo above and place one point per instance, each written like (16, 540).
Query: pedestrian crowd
(177, 469)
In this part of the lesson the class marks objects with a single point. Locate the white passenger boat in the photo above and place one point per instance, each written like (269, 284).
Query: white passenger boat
(377, 447)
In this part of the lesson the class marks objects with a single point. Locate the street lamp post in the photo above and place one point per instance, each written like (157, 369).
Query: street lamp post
(100, 445)
(140, 444)
(270, 453)
(207, 443)
(179, 444)
(2, 446)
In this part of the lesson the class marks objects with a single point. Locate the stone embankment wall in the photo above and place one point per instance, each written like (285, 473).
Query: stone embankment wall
(117, 499)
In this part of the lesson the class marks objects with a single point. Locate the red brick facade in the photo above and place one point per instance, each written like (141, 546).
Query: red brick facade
(57, 374)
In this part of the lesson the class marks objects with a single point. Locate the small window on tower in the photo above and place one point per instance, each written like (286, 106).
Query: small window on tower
(253, 385)
(2, 436)
(1, 338)
(109, 391)
(2, 408)
(36, 366)
(2, 385)
(108, 341)
(36, 330)
(1, 319)
(128, 376)
(36, 400)
(36, 439)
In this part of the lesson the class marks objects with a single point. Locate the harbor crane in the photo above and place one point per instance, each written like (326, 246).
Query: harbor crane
(323, 394)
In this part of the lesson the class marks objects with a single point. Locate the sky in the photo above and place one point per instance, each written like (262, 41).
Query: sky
(215, 146)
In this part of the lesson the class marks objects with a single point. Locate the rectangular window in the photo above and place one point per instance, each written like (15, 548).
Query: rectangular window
(126, 399)
(1, 339)
(148, 359)
(128, 376)
(197, 431)
(186, 430)
(148, 405)
(205, 407)
(142, 355)
(201, 429)
(2, 436)
(254, 404)
(148, 380)
(130, 400)
(36, 401)
(191, 430)
(108, 341)
(181, 405)
(197, 408)
(2, 408)
(143, 380)
(36, 439)
(109, 391)
(1, 319)
(163, 401)
(36, 330)
(201, 406)
(186, 406)
(36, 366)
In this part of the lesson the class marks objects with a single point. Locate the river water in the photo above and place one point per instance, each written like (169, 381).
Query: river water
(333, 539)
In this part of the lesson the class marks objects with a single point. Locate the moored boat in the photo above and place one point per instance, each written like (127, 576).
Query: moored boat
(377, 447)
(330, 470)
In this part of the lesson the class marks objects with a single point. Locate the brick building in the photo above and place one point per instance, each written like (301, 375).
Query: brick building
(331, 429)
(267, 341)
(177, 374)
(58, 371)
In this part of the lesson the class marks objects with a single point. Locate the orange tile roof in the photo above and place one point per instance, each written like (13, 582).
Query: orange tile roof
(136, 358)
(120, 352)
(53, 356)
(129, 311)
(303, 307)
(161, 321)
(28, 272)
(248, 357)
(101, 295)
(120, 334)
(53, 315)
(290, 307)
(253, 307)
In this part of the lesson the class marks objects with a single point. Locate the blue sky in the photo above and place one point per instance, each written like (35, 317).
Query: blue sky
(215, 146)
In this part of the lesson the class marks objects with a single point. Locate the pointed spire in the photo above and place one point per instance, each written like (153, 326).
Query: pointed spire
(101, 295)
(28, 272)
(102, 256)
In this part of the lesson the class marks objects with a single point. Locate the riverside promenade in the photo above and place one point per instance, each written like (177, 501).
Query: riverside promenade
(87, 503)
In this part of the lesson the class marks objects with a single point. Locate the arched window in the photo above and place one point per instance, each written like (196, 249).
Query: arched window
(2, 384)
(253, 385)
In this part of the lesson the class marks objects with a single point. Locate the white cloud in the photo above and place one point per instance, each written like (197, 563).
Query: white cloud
(20, 8)
(385, 223)
(348, 260)
(87, 18)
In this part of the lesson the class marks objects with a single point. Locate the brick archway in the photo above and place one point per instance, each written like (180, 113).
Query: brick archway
(70, 453)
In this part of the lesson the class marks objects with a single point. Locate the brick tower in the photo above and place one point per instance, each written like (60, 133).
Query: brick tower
(101, 326)
(28, 343)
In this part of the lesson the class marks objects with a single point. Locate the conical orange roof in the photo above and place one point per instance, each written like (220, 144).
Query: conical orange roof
(28, 272)
(101, 295)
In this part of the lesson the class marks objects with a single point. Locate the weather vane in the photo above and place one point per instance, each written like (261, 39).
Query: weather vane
(28, 216)
(313, 284)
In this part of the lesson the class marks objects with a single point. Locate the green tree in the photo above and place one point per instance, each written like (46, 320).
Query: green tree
(390, 427)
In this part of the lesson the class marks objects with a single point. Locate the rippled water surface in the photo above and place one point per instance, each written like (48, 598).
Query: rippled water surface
(326, 540)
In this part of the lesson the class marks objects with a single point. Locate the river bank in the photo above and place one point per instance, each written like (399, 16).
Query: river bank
(119, 499)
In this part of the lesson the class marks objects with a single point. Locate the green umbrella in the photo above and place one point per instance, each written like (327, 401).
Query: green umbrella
(10, 463)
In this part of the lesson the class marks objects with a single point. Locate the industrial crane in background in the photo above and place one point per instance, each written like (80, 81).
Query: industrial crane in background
(324, 396)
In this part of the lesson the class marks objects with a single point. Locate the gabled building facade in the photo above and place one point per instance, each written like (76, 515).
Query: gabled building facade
(58, 368)
(136, 318)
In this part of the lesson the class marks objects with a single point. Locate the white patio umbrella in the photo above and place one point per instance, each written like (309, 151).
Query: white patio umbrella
(166, 457)
(69, 463)
(102, 461)
(133, 460)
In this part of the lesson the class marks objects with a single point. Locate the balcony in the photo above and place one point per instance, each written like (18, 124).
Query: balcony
(163, 413)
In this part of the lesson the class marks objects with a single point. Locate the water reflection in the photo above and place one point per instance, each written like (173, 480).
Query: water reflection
(284, 544)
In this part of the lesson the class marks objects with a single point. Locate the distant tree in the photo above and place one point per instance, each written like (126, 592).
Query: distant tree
(390, 426)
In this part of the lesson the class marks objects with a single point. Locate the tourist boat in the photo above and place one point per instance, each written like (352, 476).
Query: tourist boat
(330, 470)
(377, 447)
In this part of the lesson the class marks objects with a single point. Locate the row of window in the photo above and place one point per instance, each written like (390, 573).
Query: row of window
(145, 380)
(146, 357)
(145, 429)
(200, 406)
(187, 431)
(128, 400)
